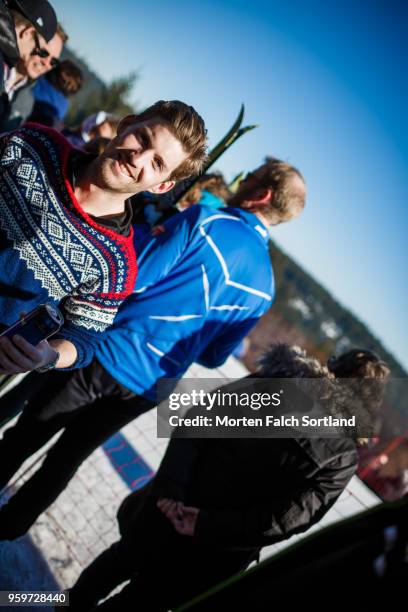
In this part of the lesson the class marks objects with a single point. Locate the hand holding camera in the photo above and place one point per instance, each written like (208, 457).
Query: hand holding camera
(24, 346)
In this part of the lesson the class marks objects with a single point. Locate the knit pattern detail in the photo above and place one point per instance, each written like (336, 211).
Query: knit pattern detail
(68, 253)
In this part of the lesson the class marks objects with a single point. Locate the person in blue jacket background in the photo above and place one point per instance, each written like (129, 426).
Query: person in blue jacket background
(205, 278)
(51, 93)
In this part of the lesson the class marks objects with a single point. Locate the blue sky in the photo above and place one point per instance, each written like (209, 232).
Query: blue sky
(326, 81)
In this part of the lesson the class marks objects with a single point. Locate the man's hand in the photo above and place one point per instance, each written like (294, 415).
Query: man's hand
(18, 356)
(183, 518)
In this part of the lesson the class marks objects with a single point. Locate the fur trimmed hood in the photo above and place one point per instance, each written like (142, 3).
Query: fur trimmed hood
(340, 398)
(291, 362)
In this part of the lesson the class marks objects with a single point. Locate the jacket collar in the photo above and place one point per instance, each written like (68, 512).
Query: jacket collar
(252, 220)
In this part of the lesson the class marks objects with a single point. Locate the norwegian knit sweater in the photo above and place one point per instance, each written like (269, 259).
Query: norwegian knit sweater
(50, 249)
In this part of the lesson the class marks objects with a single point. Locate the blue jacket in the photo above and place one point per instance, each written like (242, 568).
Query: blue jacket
(52, 101)
(204, 280)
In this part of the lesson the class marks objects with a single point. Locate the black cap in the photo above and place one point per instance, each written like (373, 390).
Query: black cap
(41, 14)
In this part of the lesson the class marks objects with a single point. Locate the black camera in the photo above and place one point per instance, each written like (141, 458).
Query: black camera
(39, 324)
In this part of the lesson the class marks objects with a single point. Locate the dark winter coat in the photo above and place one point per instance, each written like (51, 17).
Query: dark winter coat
(251, 492)
(9, 53)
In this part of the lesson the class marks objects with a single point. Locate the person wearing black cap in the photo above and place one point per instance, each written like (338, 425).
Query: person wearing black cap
(26, 72)
(25, 25)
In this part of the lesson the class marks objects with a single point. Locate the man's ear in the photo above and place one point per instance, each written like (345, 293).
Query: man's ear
(26, 31)
(125, 122)
(162, 187)
(261, 196)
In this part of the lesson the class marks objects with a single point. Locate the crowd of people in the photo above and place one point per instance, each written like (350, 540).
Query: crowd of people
(142, 301)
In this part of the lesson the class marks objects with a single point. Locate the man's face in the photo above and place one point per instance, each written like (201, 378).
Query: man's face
(35, 66)
(251, 187)
(140, 158)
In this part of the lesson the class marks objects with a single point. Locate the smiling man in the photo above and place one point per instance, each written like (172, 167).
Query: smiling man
(65, 230)
(24, 26)
(43, 58)
(205, 278)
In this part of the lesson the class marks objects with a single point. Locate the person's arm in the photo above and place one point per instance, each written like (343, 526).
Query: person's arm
(267, 523)
(88, 316)
(219, 349)
(85, 323)
(87, 319)
(18, 356)
(67, 352)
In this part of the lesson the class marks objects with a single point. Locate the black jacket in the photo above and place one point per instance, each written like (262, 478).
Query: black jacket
(254, 492)
(8, 40)
(9, 53)
(251, 492)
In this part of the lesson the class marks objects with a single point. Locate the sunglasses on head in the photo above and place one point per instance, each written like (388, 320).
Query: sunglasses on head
(41, 52)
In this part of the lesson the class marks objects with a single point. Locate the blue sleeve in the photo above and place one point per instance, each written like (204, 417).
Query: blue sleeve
(84, 341)
(161, 250)
(219, 349)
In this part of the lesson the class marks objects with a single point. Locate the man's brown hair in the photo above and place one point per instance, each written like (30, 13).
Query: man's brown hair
(215, 184)
(67, 77)
(188, 127)
(20, 20)
(62, 34)
(367, 376)
(358, 363)
(288, 199)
